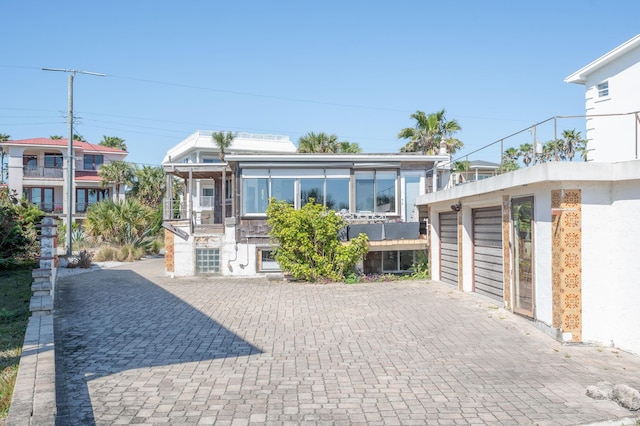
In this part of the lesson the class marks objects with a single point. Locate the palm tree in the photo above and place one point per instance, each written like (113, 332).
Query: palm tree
(349, 147)
(573, 143)
(223, 140)
(78, 138)
(113, 142)
(432, 134)
(510, 159)
(55, 137)
(318, 143)
(149, 186)
(526, 151)
(116, 173)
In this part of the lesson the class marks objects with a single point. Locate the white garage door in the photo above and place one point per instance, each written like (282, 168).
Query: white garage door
(488, 261)
(449, 248)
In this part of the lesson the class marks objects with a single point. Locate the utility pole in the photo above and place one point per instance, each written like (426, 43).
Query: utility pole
(70, 179)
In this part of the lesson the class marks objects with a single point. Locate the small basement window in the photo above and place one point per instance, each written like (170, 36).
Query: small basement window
(266, 261)
(207, 261)
(603, 89)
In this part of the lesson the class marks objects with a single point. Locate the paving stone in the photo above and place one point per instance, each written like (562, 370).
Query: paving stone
(138, 347)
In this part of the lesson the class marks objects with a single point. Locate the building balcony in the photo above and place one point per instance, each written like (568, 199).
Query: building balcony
(42, 172)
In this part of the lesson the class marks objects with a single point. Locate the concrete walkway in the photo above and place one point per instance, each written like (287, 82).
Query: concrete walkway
(135, 347)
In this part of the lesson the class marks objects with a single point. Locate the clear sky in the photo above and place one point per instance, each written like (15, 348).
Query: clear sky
(354, 68)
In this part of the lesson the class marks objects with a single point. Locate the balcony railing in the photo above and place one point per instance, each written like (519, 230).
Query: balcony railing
(174, 209)
(206, 201)
(50, 207)
(42, 172)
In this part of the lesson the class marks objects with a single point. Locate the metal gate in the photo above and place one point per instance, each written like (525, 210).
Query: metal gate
(449, 248)
(488, 263)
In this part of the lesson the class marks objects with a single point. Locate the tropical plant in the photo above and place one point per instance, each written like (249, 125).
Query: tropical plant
(149, 186)
(527, 154)
(223, 141)
(510, 159)
(113, 142)
(55, 137)
(117, 173)
(79, 138)
(18, 219)
(122, 222)
(307, 241)
(325, 143)
(431, 134)
(4, 169)
(574, 143)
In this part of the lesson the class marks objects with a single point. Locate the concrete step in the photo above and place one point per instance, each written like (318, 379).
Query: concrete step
(41, 273)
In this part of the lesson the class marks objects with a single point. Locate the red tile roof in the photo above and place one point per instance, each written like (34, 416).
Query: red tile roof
(85, 146)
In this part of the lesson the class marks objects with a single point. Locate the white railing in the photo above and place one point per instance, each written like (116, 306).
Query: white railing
(244, 135)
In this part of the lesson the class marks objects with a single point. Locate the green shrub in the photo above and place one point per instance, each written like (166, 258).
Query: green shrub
(106, 254)
(307, 241)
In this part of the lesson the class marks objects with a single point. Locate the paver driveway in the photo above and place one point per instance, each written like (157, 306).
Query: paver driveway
(136, 347)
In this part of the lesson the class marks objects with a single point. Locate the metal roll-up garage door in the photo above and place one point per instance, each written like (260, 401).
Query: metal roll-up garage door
(488, 264)
(449, 248)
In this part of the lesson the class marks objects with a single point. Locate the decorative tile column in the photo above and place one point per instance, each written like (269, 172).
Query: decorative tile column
(566, 256)
(506, 249)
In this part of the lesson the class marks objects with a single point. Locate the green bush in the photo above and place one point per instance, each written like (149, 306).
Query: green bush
(106, 254)
(18, 235)
(307, 241)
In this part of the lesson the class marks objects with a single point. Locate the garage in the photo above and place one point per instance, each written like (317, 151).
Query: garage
(449, 248)
(488, 264)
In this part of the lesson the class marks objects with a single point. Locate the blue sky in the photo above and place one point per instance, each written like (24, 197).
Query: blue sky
(354, 68)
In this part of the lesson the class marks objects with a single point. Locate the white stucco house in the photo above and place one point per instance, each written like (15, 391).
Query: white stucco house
(557, 242)
(612, 94)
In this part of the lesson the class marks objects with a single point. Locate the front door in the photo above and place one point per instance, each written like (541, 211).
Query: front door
(522, 219)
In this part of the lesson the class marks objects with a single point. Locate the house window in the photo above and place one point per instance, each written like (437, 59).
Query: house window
(337, 197)
(30, 162)
(41, 197)
(376, 191)
(52, 160)
(311, 188)
(207, 197)
(255, 196)
(397, 260)
(228, 189)
(603, 89)
(92, 162)
(283, 189)
(85, 197)
(207, 261)
(266, 261)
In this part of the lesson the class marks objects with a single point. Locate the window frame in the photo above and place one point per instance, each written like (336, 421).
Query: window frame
(603, 89)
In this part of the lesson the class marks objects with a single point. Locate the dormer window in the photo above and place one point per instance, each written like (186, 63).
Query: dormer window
(603, 89)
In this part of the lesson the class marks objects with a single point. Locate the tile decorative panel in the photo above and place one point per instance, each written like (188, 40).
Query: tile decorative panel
(169, 257)
(460, 252)
(506, 249)
(566, 254)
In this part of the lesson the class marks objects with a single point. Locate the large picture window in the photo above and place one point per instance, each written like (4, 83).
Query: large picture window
(337, 196)
(255, 195)
(53, 160)
(376, 192)
(93, 162)
(283, 189)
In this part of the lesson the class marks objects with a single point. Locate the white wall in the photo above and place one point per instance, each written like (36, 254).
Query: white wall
(613, 138)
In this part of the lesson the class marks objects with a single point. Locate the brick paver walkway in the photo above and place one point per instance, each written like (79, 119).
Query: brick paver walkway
(136, 347)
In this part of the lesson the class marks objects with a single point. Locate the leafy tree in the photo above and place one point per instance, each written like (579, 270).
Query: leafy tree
(149, 186)
(324, 143)
(117, 173)
(308, 243)
(113, 142)
(223, 141)
(431, 134)
(18, 238)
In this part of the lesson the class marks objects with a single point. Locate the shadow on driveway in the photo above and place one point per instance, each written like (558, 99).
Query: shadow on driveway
(115, 320)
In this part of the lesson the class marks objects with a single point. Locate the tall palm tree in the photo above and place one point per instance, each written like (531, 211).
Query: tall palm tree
(526, 151)
(79, 138)
(223, 140)
(349, 147)
(149, 186)
(573, 143)
(431, 134)
(113, 142)
(117, 173)
(510, 159)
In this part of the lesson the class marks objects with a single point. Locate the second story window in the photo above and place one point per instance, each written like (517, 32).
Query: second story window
(52, 160)
(603, 89)
(30, 162)
(92, 162)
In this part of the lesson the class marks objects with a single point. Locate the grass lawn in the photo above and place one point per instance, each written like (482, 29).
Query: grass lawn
(15, 293)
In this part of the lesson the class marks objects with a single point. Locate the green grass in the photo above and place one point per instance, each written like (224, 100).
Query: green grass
(15, 292)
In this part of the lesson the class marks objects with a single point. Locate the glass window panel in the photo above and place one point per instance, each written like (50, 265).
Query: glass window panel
(311, 188)
(385, 192)
(364, 191)
(337, 194)
(36, 195)
(390, 261)
(267, 261)
(283, 189)
(255, 195)
(53, 160)
(406, 260)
